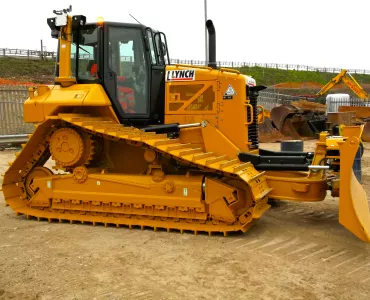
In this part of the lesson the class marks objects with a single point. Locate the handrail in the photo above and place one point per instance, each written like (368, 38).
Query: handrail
(229, 70)
(193, 66)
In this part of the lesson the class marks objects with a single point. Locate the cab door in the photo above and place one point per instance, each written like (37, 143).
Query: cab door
(127, 71)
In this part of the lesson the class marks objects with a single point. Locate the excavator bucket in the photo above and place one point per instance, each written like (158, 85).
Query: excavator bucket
(366, 133)
(354, 211)
(290, 121)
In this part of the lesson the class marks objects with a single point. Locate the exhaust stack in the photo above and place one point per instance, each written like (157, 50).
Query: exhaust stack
(211, 44)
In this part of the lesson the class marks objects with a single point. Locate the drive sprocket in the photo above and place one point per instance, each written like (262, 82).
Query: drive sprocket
(70, 149)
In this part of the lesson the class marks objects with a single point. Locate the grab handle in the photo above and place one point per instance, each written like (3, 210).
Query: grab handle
(250, 107)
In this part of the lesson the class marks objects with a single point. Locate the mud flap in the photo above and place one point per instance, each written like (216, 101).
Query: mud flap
(354, 211)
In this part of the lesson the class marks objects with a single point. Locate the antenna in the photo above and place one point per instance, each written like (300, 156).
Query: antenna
(135, 19)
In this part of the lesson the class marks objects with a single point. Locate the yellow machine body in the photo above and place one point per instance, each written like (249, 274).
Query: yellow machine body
(197, 181)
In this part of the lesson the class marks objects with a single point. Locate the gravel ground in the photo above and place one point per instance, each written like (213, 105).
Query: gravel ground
(295, 251)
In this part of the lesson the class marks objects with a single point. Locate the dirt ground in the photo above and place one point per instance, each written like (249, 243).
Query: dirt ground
(295, 251)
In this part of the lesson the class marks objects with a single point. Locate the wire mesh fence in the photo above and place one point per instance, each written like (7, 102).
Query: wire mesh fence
(11, 110)
(12, 98)
(296, 67)
(28, 53)
(333, 103)
(37, 54)
(269, 100)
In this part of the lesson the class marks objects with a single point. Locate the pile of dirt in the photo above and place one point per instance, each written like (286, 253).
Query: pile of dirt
(267, 133)
(9, 82)
(298, 85)
(307, 105)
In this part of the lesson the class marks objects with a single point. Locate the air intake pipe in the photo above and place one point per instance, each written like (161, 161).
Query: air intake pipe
(211, 44)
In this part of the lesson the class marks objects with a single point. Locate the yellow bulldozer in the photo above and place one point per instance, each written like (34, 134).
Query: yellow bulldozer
(139, 142)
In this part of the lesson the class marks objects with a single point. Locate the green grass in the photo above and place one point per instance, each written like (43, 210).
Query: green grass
(30, 70)
(42, 71)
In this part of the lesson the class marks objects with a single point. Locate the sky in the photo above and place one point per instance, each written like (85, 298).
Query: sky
(320, 33)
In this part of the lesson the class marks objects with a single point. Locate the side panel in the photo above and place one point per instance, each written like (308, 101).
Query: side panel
(46, 101)
(203, 94)
(190, 99)
(196, 98)
(233, 110)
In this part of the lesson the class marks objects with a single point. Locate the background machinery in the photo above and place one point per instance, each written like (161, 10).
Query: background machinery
(349, 80)
(145, 143)
(305, 119)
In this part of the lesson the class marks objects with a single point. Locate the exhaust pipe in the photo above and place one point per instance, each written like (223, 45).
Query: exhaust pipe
(211, 44)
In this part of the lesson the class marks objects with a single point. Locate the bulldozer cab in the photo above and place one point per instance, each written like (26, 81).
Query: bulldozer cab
(129, 61)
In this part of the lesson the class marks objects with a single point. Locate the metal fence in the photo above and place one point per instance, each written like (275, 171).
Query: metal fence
(11, 110)
(12, 100)
(37, 54)
(238, 64)
(28, 53)
(333, 104)
(269, 100)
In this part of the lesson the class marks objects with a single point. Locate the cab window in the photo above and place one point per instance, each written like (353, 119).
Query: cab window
(127, 60)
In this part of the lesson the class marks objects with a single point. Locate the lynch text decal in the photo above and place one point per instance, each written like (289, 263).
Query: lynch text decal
(180, 75)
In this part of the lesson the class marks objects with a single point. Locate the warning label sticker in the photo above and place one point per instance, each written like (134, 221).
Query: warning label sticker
(230, 93)
(181, 75)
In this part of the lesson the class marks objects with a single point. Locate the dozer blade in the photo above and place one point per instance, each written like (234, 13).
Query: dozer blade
(354, 211)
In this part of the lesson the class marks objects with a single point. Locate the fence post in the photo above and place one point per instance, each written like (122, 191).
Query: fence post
(4, 51)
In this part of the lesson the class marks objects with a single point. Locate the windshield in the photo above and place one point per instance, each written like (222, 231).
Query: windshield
(84, 54)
